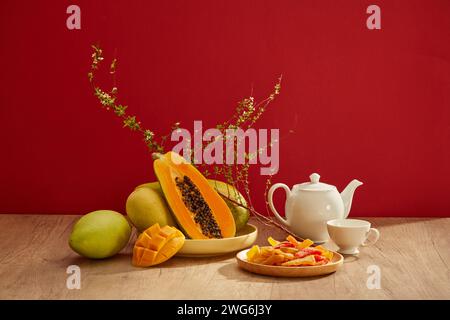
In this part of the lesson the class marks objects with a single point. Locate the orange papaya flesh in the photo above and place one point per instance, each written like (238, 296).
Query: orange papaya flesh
(198, 208)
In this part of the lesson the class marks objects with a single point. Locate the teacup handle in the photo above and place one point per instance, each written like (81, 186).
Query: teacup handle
(270, 200)
(377, 236)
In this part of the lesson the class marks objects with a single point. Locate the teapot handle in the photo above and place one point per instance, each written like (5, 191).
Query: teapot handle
(270, 200)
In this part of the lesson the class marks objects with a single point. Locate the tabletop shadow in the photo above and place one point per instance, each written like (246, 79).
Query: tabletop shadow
(121, 263)
(183, 262)
(231, 271)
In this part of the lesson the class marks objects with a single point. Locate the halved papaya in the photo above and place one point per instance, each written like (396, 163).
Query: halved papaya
(199, 210)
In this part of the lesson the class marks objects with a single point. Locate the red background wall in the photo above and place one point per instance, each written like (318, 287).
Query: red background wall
(372, 105)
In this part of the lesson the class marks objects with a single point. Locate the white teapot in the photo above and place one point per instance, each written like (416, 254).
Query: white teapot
(310, 205)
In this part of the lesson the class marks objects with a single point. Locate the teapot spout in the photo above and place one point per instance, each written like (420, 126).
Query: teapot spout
(347, 195)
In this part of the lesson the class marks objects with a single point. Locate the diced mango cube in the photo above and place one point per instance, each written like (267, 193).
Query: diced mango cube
(155, 245)
(157, 242)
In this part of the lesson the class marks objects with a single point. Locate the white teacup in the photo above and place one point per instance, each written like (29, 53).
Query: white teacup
(349, 234)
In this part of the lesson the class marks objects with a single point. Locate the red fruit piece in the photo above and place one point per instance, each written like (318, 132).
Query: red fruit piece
(284, 245)
(306, 252)
(319, 257)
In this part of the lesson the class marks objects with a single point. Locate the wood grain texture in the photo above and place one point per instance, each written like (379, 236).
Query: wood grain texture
(412, 254)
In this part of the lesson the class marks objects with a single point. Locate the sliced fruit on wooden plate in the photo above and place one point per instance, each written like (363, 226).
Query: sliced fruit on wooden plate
(289, 271)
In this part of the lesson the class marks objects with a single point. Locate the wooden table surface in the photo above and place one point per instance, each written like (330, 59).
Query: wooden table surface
(413, 256)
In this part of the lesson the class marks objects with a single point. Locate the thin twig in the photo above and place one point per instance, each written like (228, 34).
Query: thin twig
(253, 211)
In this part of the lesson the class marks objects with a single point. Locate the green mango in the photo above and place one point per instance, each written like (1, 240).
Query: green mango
(100, 234)
(146, 206)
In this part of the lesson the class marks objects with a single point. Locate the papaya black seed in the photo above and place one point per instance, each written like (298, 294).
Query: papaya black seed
(194, 201)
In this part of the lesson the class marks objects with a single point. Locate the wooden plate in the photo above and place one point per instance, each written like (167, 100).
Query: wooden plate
(214, 247)
(279, 271)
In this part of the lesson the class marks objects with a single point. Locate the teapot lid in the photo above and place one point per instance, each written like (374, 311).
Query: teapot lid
(315, 185)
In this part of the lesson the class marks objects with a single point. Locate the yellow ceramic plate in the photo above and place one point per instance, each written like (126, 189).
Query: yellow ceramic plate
(280, 271)
(214, 247)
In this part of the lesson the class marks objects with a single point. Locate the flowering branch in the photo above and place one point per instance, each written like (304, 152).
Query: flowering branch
(246, 114)
(109, 101)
